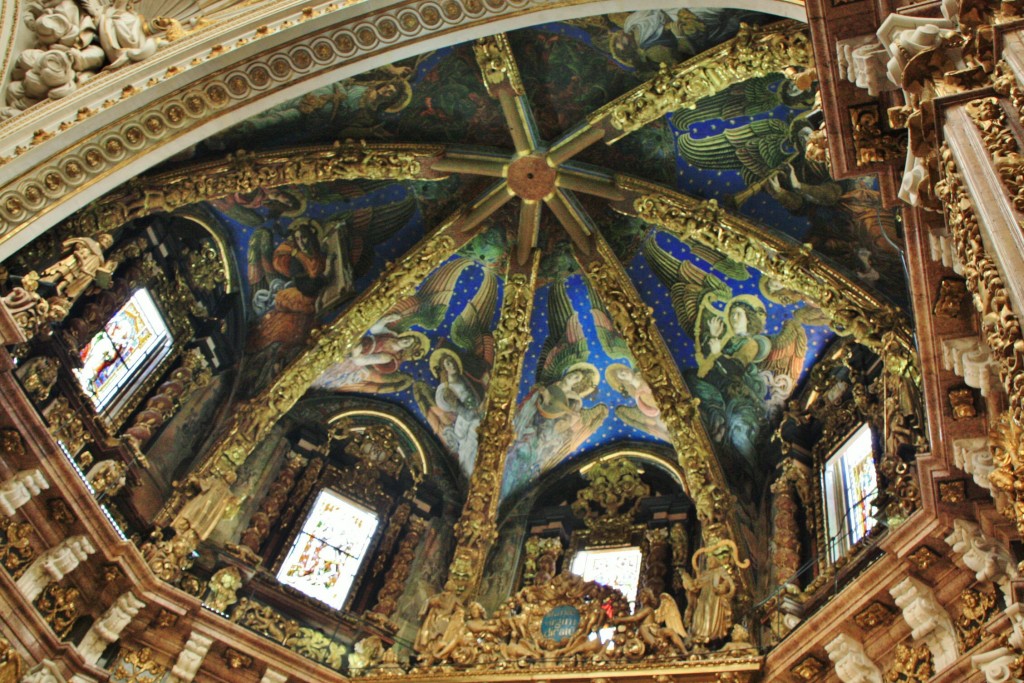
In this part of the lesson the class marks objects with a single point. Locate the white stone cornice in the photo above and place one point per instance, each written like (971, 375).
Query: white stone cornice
(20, 488)
(970, 358)
(53, 565)
(299, 52)
(928, 620)
(851, 663)
(190, 659)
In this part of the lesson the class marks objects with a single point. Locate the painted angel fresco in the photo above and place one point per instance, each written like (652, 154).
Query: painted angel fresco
(743, 375)
(461, 367)
(622, 376)
(552, 421)
(374, 365)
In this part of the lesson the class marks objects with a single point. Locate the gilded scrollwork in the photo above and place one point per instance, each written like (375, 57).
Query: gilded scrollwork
(245, 172)
(306, 641)
(633, 319)
(911, 665)
(755, 51)
(59, 606)
(476, 530)
(977, 607)
(16, 550)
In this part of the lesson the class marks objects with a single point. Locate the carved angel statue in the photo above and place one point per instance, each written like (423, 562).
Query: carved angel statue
(660, 623)
(744, 375)
(553, 421)
(86, 264)
(443, 618)
(710, 590)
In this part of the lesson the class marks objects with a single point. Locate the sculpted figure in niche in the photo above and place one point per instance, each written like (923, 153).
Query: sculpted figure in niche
(73, 274)
(710, 590)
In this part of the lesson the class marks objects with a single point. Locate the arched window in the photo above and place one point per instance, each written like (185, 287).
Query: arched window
(849, 486)
(132, 342)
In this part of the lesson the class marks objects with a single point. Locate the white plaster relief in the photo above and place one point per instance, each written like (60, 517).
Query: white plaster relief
(53, 565)
(942, 250)
(272, 676)
(974, 457)
(851, 663)
(44, 672)
(928, 621)
(107, 629)
(20, 488)
(970, 358)
(996, 665)
(984, 556)
(73, 43)
(862, 61)
(190, 659)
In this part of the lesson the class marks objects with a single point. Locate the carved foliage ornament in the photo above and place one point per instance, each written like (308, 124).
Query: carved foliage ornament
(611, 498)
(755, 51)
(476, 531)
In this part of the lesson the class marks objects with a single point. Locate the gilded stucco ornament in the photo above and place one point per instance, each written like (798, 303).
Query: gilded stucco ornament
(705, 482)
(245, 172)
(476, 529)
(498, 67)
(755, 51)
(610, 500)
(1001, 330)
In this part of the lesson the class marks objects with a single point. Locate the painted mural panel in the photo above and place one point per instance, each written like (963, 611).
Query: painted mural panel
(747, 147)
(744, 344)
(310, 249)
(579, 389)
(433, 351)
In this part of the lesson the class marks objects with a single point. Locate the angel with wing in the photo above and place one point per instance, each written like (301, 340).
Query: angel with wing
(374, 365)
(462, 369)
(660, 622)
(552, 421)
(743, 375)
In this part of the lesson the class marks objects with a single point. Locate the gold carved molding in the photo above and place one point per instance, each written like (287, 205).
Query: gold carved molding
(246, 172)
(755, 51)
(705, 481)
(476, 529)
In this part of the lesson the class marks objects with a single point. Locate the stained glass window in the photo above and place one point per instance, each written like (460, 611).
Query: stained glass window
(850, 487)
(328, 551)
(133, 337)
(615, 567)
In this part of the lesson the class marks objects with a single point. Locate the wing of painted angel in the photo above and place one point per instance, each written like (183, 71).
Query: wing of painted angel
(370, 226)
(789, 346)
(472, 329)
(690, 288)
(566, 344)
(612, 342)
(427, 307)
